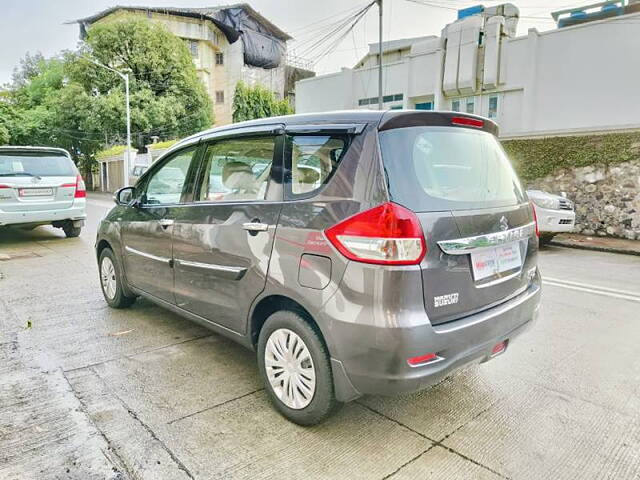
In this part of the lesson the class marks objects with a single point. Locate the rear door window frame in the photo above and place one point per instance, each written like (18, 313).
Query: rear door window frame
(342, 131)
(274, 190)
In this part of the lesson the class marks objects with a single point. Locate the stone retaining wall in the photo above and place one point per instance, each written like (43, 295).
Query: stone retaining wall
(607, 198)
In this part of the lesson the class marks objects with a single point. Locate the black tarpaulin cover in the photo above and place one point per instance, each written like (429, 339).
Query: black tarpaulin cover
(261, 48)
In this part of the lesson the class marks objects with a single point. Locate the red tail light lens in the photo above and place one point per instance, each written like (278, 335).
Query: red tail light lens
(5, 186)
(467, 122)
(535, 218)
(81, 189)
(386, 235)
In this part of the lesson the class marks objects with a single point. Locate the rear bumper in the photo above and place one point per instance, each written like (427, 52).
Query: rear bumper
(555, 221)
(75, 213)
(374, 358)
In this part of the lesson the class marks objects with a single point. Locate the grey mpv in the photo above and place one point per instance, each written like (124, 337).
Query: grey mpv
(360, 252)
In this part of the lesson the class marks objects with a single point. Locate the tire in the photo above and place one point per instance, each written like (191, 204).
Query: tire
(70, 231)
(286, 329)
(545, 238)
(111, 281)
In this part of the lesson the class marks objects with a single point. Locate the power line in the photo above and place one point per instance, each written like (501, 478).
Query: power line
(325, 44)
(342, 36)
(341, 24)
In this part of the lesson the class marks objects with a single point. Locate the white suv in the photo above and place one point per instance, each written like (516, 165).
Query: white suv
(41, 186)
(555, 214)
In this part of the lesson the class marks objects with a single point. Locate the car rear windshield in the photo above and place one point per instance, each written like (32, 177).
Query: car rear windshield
(36, 164)
(448, 168)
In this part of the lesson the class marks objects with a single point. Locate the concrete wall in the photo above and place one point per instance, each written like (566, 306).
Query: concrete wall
(583, 78)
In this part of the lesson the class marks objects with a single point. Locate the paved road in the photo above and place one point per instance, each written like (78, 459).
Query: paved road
(89, 392)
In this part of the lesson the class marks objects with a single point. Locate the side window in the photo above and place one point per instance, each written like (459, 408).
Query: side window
(236, 169)
(313, 159)
(166, 184)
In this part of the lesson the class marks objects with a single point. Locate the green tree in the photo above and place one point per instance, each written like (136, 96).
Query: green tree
(70, 102)
(167, 97)
(257, 102)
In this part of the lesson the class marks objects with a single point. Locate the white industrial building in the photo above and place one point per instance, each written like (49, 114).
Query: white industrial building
(582, 76)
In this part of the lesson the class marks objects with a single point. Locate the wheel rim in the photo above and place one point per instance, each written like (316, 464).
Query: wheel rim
(290, 368)
(108, 278)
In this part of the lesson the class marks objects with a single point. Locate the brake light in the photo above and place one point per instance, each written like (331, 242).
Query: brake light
(386, 235)
(467, 122)
(81, 188)
(535, 218)
(5, 186)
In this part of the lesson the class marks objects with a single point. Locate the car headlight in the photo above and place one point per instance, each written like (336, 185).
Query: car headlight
(546, 202)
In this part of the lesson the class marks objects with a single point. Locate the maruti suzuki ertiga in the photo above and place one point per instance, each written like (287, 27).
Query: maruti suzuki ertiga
(363, 252)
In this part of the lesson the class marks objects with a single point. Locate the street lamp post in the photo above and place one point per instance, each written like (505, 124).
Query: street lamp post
(127, 157)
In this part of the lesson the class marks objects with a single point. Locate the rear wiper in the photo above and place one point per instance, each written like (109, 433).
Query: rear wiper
(18, 174)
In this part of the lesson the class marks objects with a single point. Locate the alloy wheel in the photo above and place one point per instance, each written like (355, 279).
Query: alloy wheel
(108, 278)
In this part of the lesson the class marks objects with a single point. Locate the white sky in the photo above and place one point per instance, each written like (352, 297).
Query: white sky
(38, 25)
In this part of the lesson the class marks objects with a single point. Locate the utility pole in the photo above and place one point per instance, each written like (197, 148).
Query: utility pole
(127, 161)
(127, 157)
(379, 2)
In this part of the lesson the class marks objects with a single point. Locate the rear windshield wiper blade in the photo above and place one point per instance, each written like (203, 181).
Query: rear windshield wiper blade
(18, 174)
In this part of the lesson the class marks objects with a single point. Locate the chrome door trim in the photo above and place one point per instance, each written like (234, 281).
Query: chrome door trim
(255, 226)
(225, 271)
(463, 246)
(147, 255)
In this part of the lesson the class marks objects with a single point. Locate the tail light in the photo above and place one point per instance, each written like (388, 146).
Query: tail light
(535, 218)
(386, 235)
(5, 186)
(81, 188)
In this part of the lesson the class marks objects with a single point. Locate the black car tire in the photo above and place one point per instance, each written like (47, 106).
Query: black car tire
(323, 402)
(119, 299)
(545, 238)
(70, 230)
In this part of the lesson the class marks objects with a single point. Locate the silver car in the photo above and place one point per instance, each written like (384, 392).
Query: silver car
(40, 186)
(358, 253)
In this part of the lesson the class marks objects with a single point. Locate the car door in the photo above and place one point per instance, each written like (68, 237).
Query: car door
(222, 241)
(147, 226)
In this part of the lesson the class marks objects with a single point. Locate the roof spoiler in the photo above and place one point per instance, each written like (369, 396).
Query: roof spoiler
(417, 118)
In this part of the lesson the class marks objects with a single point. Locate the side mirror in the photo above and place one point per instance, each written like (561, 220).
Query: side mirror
(124, 196)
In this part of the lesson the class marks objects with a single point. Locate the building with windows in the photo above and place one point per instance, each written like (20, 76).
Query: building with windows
(228, 44)
(581, 76)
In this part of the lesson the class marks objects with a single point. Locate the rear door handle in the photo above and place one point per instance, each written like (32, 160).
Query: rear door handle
(165, 222)
(255, 226)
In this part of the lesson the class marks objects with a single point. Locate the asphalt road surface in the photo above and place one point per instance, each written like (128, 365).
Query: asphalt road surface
(89, 392)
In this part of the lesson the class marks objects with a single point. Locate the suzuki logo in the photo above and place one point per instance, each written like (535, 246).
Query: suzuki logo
(35, 179)
(504, 225)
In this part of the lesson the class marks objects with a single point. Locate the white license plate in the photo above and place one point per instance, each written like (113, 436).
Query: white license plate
(35, 192)
(492, 261)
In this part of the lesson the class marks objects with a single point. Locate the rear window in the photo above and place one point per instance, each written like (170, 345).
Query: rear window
(45, 164)
(448, 168)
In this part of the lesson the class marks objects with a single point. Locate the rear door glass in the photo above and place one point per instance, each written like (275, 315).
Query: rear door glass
(33, 164)
(448, 168)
